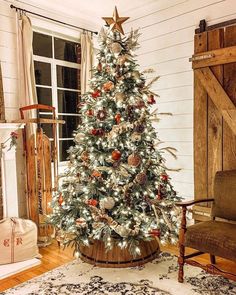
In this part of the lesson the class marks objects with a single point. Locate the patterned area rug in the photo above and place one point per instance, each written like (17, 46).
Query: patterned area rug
(158, 277)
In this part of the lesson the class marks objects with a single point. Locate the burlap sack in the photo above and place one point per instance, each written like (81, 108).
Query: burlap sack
(18, 240)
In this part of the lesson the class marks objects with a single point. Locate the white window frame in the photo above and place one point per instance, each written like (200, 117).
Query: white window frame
(53, 63)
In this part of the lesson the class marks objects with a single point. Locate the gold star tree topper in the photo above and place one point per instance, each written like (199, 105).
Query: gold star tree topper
(115, 22)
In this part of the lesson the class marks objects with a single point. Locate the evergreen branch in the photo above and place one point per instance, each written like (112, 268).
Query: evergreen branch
(152, 82)
(148, 71)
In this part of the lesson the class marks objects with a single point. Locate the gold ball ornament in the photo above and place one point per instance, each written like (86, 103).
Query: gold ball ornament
(120, 97)
(136, 75)
(116, 48)
(107, 203)
(141, 178)
(122, 59)
(84, 156)
(135, 137)
(134, 160)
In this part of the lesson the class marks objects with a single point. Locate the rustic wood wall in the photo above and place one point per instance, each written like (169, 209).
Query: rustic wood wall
(214, 138)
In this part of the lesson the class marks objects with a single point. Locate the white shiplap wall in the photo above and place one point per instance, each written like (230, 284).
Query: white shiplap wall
(166, 43)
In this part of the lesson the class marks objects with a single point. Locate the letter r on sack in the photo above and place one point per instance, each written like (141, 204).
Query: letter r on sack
(6, 243)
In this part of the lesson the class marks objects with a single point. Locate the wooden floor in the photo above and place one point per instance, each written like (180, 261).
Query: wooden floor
(54, 257)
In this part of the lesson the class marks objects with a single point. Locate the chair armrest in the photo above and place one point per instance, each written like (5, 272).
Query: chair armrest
(192, 202)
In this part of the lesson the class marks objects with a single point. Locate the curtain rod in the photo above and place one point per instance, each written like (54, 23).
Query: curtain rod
(51, 19)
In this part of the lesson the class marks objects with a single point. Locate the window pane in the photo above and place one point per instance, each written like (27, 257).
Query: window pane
(63, 147)
(47, 128)
(67, 50)
(44, 95)
(67, 101)
(42, 73)
(42, 45)
(66, 130)
(68, 77)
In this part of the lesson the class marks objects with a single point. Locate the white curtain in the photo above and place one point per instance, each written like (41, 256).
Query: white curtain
(27, 89)
(86, 61)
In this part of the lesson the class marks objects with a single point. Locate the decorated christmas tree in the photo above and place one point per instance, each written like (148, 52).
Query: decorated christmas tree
(116, 187)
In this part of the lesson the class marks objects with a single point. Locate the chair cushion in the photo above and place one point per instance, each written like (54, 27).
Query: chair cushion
(214, 237)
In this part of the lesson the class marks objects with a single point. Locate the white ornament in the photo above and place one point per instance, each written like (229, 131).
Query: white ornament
(120, 97)
(122, 231)
(107, 203)
(79, 137)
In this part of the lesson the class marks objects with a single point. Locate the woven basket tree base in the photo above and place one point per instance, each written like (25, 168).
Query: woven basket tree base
(96, 254)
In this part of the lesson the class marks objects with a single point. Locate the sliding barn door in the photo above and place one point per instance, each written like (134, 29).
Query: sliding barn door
(214, 65)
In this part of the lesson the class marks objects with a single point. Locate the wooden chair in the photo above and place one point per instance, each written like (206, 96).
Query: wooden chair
(216, 236)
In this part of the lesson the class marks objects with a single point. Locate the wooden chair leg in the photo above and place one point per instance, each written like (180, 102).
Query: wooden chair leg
(181, 246)
(181, 263)
(213, 259)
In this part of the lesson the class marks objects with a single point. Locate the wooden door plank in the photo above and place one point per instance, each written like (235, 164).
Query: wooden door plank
(215, 40)
(214, 57)
(230, 119)
(200, 126)
(229, 139)
(216, 92)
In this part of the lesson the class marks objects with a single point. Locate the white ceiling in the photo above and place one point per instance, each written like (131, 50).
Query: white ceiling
(91, 10)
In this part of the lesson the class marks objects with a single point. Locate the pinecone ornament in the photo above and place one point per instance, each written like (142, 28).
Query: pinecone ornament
(134, 160)
(141, 178)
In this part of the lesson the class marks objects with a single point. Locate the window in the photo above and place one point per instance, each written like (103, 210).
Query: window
(57, 75)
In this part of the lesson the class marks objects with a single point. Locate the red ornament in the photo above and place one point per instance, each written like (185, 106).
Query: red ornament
(94, 131)
(90, 113)
(158, 196)
(151, 99)
(99, 67)
(96, 174)
(164, 177)
(155, 232)
(116, 155)
(97, 132)
(101, 115)
(96, 93)
(60, 200)
(92, 202)
(117, 118)
(140, 104)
